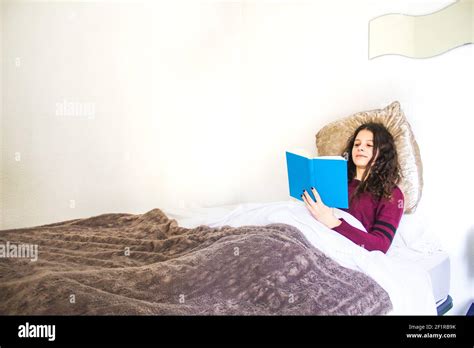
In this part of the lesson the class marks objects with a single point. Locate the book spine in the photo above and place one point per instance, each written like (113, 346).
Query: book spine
(312, 175)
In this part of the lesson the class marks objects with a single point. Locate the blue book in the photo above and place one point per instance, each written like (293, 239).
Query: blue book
(327, 174)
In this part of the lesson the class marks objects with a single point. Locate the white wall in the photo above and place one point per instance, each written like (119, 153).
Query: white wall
(194, 102)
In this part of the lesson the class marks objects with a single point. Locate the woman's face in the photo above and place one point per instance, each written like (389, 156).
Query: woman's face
(362, 151)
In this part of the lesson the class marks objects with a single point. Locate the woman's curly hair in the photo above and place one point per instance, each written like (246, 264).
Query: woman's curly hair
(380, 177)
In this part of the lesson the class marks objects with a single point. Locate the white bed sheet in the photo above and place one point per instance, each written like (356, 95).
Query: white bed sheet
(437, 264)
(417, 245)
(407, 283)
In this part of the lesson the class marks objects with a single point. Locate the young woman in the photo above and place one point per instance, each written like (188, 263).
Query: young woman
(374, 197)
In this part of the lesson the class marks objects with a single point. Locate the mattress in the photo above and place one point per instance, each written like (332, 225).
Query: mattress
(436, 263)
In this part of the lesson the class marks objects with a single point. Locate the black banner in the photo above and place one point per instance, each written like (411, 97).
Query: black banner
(205, 330)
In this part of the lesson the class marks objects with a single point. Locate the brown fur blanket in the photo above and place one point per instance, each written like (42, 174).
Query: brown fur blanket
(146, 264)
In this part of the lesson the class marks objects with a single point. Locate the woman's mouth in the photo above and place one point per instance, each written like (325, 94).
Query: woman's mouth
(361, 156)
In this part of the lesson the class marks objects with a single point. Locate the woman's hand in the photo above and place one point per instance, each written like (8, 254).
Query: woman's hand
(319, 210)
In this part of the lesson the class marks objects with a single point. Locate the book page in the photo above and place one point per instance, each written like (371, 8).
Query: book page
(331, 157)
(306, 153)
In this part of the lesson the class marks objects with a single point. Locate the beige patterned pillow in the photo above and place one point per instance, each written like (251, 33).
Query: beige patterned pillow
(332, 139)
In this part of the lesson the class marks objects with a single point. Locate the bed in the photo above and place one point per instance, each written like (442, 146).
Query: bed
(147, 264)
(413, 247)
(269, 258)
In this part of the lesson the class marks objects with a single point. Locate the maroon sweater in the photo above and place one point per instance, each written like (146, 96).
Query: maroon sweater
(380, 219)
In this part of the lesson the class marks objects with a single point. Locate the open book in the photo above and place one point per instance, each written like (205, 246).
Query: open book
(327, 174)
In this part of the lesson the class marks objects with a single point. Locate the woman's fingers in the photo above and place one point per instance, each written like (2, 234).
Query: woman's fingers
(305, 200)
(310, 205)
(316, 195)
(309, 201)
(308, 197)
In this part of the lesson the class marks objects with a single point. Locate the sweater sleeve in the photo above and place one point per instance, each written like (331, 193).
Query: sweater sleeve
(387, 219)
